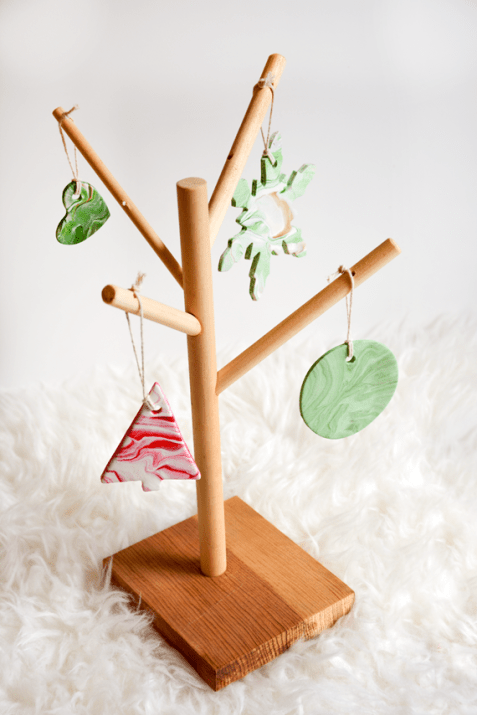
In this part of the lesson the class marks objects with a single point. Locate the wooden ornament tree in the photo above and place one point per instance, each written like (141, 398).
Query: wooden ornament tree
(227, 589)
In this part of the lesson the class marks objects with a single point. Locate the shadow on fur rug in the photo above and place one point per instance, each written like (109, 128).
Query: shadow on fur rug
(391, 511)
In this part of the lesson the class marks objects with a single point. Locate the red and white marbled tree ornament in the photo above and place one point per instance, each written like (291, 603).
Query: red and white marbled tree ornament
(152, 449)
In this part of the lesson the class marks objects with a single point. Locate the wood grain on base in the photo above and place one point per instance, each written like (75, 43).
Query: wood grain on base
(272, 594)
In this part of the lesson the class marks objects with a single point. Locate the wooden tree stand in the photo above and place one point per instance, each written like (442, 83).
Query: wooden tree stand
(227, 589)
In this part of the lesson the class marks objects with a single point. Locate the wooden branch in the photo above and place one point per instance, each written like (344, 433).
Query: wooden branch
(131, 210)
(298, 320)
(238, 155)
(151, 309)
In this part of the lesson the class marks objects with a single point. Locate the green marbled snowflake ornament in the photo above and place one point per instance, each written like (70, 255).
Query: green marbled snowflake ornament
(85, 214)
(266, 218)
(339, 398)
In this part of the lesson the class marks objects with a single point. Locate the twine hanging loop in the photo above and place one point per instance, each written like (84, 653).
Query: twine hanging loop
(261, 84)
(145, 398)
(349, 306)
(74, 171)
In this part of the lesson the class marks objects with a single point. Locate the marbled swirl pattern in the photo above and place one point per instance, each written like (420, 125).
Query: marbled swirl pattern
(84, 215)
(152, 449)
(340, 398)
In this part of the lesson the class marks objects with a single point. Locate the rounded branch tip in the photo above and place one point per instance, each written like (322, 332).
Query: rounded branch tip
(108, 293)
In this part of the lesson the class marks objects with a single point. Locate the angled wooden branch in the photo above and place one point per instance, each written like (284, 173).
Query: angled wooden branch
(298, 320)
(238, 155)
(152, 310)
(131, 210)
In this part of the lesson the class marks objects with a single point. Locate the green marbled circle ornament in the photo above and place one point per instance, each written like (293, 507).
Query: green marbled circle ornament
(340, 398)
(84, 214)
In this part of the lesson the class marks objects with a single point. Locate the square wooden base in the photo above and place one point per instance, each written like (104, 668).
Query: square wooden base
(272, 594)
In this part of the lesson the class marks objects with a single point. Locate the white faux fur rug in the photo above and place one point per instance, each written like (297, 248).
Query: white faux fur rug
(391, 511)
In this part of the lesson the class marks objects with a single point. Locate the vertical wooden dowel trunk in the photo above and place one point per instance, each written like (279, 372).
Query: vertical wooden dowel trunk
(199, 301)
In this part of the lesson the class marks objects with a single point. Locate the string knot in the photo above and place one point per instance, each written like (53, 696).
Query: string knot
(349, 306)
(137, 283)
(266, 81)
(66, 114)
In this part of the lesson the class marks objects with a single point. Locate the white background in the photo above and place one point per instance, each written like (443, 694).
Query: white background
(380, 95)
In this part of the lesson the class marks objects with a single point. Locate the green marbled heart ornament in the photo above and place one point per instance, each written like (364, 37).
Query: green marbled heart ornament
(340, 398)
(84, 214)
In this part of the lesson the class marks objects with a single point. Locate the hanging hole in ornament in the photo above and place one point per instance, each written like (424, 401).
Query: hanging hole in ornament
(353, 359)
(152, 406)
(77, 193)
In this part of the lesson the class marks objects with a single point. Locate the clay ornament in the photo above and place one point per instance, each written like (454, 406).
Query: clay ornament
(85, 213)
(152, 449)
(267, 218)
(339, 398)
